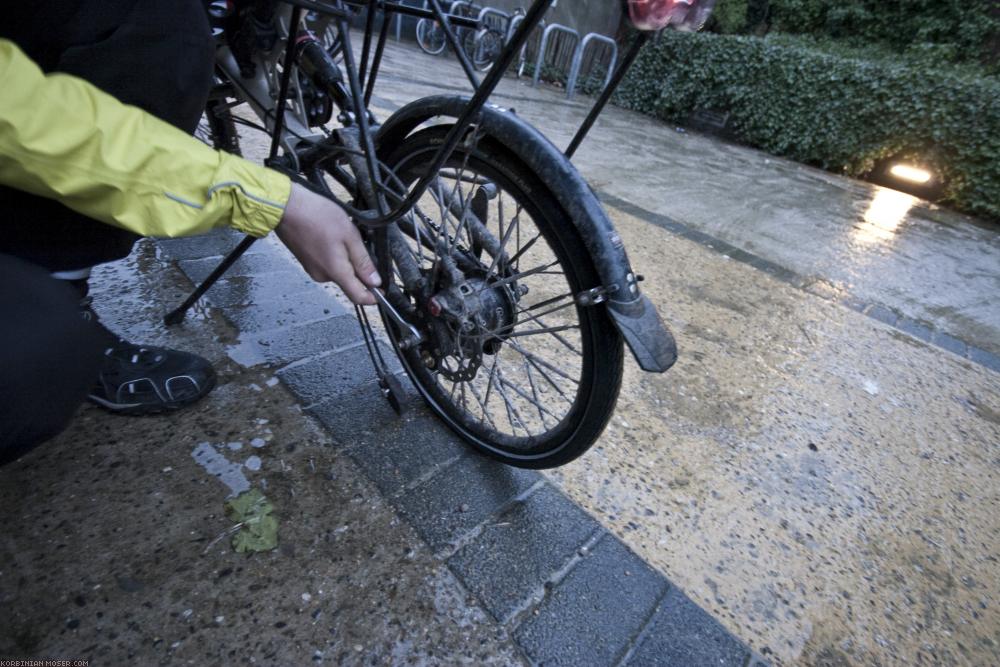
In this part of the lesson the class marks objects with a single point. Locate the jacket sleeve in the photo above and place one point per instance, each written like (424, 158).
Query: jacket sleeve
(63, 138)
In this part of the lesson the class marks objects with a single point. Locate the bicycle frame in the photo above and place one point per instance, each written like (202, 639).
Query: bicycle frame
(632, 313)
(292, 132)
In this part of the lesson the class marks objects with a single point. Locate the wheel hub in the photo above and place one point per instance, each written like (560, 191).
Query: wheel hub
(467, 321)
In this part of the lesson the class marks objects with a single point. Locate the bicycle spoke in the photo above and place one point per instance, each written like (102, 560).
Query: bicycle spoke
(503, 243)
(547, 302)
(538, 360)
(520, 392)
(512, 416)
(534, 393)
(521, 250)
(484, 414)
(543, 269)
(538, 332)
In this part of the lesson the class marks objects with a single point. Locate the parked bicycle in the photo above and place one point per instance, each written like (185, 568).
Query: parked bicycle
(508, 294)
(482, 43)
(430, 36)
(489, 38)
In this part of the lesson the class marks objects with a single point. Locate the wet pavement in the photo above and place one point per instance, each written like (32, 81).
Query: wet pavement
(820, 468)
(115, 547)
(821, 477)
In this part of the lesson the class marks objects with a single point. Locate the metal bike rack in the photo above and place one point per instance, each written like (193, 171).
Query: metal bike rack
(458, 5)
(549, 31)
(494, 18)
(574, 71)
(530, 47)
(512, 26)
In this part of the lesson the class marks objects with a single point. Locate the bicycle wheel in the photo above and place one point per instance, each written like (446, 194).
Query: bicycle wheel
(486, 49)
(487, 267)
(430, 36)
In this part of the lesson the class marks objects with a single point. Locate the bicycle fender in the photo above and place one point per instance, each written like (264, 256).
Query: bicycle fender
(651, 343)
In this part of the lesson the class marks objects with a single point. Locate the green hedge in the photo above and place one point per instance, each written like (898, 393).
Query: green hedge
(834, 111)
(942, 32)
(950, 31)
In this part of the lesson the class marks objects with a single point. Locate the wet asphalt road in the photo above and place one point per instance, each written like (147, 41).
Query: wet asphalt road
(824, 483)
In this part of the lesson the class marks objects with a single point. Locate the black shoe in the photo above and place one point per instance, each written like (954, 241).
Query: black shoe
(137, 380)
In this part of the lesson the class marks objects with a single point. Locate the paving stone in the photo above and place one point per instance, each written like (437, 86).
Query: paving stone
(739, 255)
(914, 328)
(882, 314)
(460, 497)
(334, 374)
(854, 303)
(214, 244)
(393, 450)
(251, 264)
(984, 358)
(260, 317)
(595, 613)
(950, 343)
(254, 290)
(298, 342)
(407, 449)
(772, 269)
(681, 633)
(515, 554)
(361, 414)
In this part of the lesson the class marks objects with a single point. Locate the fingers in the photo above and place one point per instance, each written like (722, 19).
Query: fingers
(355, 290)
(353, 269)
(328, 246)
(364, 268)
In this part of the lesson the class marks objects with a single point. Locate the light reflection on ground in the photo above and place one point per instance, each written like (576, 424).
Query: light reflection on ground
(885, 213)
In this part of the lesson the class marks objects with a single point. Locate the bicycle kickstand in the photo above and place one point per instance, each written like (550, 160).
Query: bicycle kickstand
(176, 315)
(388, 385)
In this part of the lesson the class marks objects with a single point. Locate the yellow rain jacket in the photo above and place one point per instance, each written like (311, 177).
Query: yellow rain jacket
(63, 138)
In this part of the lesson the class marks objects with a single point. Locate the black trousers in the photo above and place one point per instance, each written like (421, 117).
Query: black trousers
(49, 354)
(154, 54)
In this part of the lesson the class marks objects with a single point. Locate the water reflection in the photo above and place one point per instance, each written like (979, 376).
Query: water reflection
(885, 212)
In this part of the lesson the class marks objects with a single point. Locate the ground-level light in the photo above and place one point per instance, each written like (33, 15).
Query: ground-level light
(910, 173)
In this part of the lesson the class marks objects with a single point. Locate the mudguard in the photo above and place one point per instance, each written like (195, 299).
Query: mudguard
(632, 312)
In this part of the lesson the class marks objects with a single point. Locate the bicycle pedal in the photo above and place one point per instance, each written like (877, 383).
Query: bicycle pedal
(392, 391)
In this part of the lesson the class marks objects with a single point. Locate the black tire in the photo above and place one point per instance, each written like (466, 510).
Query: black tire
(217, 128)
(430, 37)
(578, 410)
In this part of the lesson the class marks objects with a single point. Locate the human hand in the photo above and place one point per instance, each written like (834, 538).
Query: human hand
(329, 247)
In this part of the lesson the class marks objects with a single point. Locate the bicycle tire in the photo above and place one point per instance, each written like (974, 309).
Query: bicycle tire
(430, 37)
(600, 350)
(217, 127)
